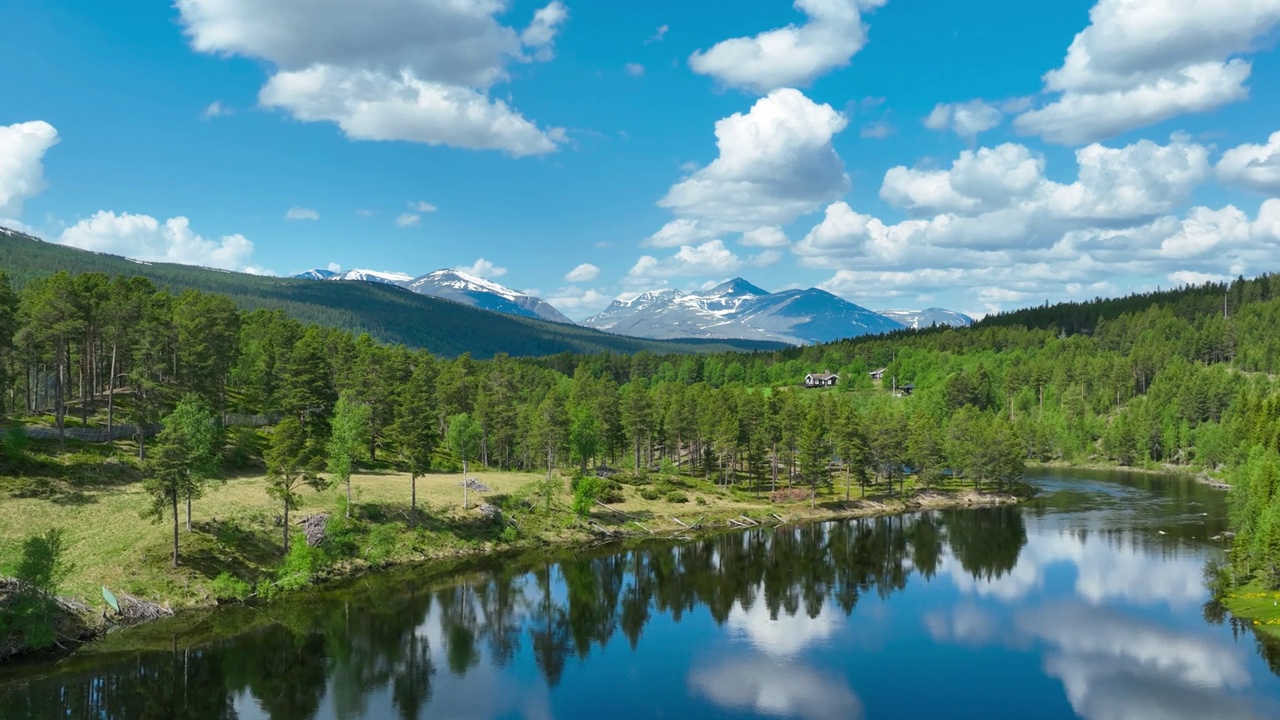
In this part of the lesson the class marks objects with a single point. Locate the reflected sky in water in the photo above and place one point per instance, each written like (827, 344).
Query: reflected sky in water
(1087, 602)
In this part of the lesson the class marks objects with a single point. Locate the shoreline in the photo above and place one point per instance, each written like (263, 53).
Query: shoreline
(605, 526)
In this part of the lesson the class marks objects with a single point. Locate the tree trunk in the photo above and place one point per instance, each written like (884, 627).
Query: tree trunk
(348, 497)
(173, 496)
(111, 397)
(286, 528)
(465, 504)
(188, 510)
(846, 482)
(774, 458)
(413, 500)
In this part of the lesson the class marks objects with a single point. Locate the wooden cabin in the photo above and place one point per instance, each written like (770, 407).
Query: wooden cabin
(822, 379)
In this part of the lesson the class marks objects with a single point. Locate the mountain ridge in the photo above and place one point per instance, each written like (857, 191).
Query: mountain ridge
(388, 313)
(456, 285)
(739, 309)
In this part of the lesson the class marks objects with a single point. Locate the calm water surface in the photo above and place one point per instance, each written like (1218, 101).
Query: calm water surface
(1088, 602)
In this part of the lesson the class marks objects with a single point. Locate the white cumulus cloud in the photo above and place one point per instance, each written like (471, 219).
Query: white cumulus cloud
(681, 231)
(392, 70)
(794, 55)
(145, 238)
(1256, 167)
(483, 268)
(967, 119)
(586, 272)
(1143, 61)
(776, 163)
(422, 207)
(407, 220)
(22, 149)
(765, 237)
(709, 258)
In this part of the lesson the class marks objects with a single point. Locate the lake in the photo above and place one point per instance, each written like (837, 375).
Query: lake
(1085, 602)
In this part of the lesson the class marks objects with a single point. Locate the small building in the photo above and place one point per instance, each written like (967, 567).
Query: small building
(822, 379)
(907, 389)
(877, 374)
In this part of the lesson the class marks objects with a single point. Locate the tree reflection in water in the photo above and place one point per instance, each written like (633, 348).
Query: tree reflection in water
(373, 641)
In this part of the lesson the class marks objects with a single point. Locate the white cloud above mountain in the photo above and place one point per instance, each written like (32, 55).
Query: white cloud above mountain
(393, 70)
(791, 56)
(1140, 62)
(995, 228)
(142, 237)
(776, 162)
(709, 258)
(22, 150)
(586, 272)
(483, 268)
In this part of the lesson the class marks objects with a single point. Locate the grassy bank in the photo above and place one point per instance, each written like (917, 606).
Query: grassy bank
(1256, 605)
(234, 546)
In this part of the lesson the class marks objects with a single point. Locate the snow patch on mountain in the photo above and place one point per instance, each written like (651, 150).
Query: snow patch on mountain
(920, 319)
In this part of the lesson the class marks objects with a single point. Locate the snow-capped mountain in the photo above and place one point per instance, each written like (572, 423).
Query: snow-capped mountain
(390, 278)
(485, 294)
(918, 319)
(454, 285)
(317, 274)
(739, 310)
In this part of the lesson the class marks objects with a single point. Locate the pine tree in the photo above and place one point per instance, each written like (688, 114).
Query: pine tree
(185, 458)
(291, 463)
(415, 430)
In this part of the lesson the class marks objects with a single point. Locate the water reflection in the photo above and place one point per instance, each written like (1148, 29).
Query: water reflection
(780, 691)
(814, 622)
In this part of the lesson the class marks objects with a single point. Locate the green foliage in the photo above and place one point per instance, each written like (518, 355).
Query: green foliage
(14, 444)
(650, 494)
(298, 570)
(675, 496)
(380, 543)
(42, 561)
(610, 492)
(291, 462)
(588, 490)
(701, 500)
(229, 587)
(29, 616)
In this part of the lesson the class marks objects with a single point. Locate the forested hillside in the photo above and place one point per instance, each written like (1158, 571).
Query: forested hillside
(389, 314)
(1172, 382)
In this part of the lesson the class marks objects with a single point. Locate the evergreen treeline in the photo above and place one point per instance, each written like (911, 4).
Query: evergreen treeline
(1185, 383)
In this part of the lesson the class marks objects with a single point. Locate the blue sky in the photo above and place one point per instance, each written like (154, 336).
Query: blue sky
(899, 153)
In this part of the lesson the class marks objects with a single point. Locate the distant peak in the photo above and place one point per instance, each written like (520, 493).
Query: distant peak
(736, 286)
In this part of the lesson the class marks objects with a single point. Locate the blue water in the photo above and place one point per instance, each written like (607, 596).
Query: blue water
(1086, 602)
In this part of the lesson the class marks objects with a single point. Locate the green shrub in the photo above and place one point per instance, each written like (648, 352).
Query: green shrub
(13, 446)
(298, 569)
(675, 496)
(701, 500)
(229, 587)
(509, 534)
(610, 492)
(587, 489)
(381, 543)
(650, 494)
